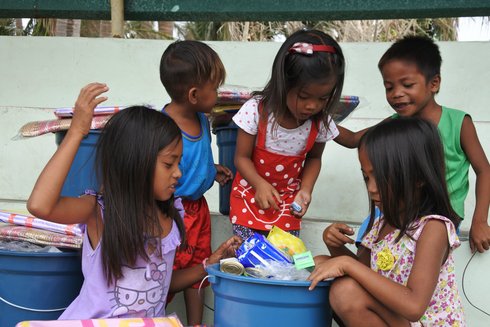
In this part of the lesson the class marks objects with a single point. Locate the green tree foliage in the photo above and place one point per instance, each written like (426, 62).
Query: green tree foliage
(7, 26)
(40, 27)
(443, 29)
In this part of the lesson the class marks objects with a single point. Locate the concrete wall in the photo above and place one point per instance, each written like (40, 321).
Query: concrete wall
(41, 74)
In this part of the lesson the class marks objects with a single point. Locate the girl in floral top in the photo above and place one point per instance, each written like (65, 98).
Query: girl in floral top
(404, 272)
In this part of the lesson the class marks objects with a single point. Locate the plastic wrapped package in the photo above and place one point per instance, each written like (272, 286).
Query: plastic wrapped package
(286, 242)
(38, 236)
(257, 250)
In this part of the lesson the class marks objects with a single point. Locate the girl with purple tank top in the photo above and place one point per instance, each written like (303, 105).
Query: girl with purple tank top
(131, 226)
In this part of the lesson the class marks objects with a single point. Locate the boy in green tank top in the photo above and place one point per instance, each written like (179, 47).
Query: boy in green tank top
(411, 76)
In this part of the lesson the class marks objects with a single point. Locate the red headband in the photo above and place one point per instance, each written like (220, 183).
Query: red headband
(308, 48)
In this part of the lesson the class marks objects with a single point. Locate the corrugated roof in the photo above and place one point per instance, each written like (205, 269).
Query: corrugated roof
(246, 10)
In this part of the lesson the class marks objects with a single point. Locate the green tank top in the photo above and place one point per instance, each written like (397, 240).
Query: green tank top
(457, 163)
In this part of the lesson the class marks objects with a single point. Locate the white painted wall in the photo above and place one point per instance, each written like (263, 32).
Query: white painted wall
(41, 74)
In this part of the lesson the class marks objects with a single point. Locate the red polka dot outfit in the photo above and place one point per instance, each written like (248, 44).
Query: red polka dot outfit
(281, 166)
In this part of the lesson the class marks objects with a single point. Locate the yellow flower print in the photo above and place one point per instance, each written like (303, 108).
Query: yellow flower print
(385, 260)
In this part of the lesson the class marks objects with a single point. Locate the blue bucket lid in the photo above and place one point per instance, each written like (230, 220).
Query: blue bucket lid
(38, 254)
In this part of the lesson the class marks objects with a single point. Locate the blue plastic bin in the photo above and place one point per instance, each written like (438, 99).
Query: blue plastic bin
(82, 173)
(226, 140)
(37, 286)
(247, 301)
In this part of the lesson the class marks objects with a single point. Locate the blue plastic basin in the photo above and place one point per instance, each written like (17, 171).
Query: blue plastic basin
(37, 286)
(82, 174)
(247, 301)
(226, 141)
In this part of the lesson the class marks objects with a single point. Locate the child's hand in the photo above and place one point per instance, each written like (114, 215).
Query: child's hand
(223, 174)
(303, 198)
(331, 268)
(479, 236)
(335, 235)
(226, 250)
(319, 259)
(267, 196)
(88, 99)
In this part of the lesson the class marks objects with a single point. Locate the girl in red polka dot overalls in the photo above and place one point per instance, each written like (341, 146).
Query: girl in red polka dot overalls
(282, 134)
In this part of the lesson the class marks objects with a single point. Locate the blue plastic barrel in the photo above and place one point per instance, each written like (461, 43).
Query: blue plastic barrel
(82, 173)
(247, 301)
(37, 286)
(226, 140)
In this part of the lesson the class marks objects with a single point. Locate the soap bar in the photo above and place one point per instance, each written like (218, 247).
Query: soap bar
(303, 260)
(296, 207)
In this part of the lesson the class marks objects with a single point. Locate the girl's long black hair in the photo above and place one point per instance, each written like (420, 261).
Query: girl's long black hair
(291, 70)
(408, 163)
(126, 159)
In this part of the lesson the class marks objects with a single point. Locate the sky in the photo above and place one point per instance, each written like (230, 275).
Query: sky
(473, 29)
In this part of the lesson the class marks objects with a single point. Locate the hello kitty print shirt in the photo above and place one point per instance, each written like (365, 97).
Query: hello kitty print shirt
(141, 292)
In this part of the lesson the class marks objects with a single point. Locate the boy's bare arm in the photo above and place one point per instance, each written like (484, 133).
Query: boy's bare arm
(351, 139)
(348, 138)
(480, 230)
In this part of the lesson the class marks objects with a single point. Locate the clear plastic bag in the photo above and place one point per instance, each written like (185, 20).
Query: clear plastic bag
(279, 271)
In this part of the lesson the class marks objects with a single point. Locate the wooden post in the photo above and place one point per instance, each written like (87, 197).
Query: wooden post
(117, 18)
